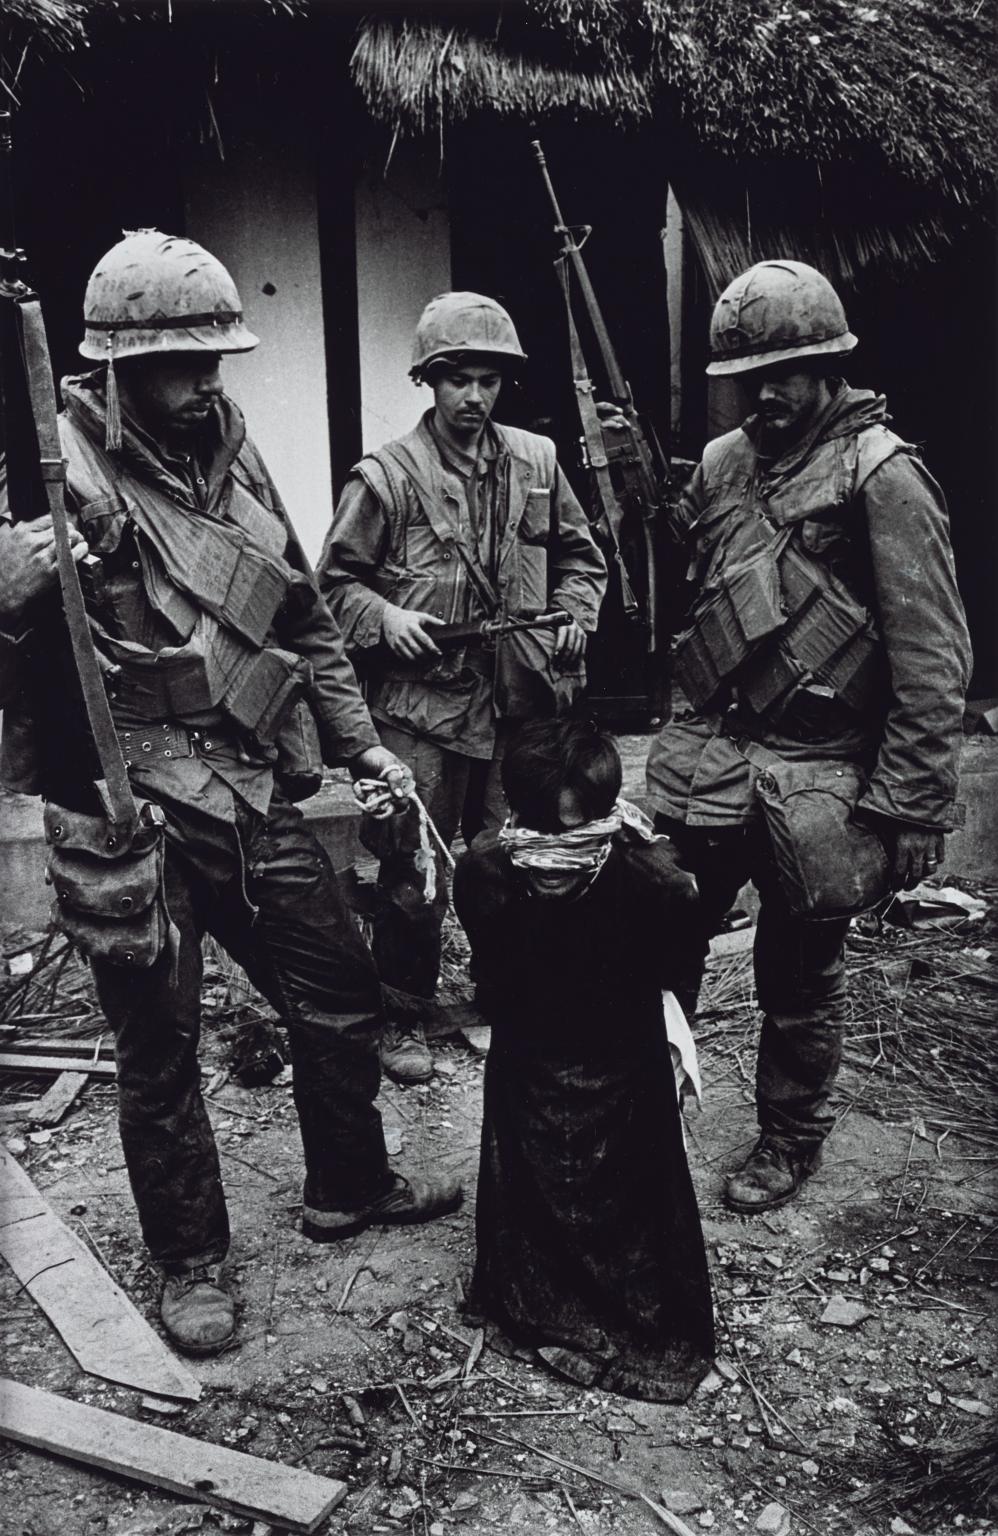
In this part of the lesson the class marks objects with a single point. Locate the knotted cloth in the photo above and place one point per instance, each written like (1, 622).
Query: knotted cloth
(561, 862)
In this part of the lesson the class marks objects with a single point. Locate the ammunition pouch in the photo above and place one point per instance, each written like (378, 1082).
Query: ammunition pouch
(779, 626)
(730, 621)
(108, 883)
(829, 865)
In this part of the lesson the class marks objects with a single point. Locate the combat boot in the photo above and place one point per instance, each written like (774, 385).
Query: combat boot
(198, 1315)
(770, 1176)
(409, 1200)
(405, 1056)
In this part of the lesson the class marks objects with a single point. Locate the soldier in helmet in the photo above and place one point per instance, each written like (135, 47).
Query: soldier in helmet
(209, 626)
(461, 519)
(827, 647)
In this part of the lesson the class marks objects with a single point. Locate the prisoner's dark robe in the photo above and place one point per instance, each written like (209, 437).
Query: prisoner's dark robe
(589, 1241)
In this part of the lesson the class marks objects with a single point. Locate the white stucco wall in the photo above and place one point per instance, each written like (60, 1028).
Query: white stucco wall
(403, 259)
(256, 211)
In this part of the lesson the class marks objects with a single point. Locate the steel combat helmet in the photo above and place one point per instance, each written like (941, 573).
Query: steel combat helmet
(161, 293)
(455, 324)
(774, 312)
(158, 293)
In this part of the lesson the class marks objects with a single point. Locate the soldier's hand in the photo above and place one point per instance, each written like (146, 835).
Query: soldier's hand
(382, 783)
(28, 563)
(570, 643)
(407, 632)
(918, 852)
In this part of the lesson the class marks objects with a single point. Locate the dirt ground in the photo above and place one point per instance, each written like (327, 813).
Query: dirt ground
(803, 1412)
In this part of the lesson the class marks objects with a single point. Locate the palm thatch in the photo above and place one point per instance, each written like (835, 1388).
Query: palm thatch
(904, 81)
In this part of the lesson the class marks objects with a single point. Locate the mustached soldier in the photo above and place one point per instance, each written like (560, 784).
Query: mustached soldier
(208, 627)
(828, 647)
(461, 520)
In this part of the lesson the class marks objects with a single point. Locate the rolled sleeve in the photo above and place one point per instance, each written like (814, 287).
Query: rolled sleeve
(924, 630)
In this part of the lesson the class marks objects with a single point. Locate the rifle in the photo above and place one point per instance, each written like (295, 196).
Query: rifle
(629, 467)
(487, 632)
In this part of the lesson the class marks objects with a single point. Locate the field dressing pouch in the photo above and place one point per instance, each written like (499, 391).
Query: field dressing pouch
(829, 864)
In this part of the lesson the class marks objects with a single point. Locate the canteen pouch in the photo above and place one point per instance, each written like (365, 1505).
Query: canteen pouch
(728, 623)
(109, 896)
(829, 864)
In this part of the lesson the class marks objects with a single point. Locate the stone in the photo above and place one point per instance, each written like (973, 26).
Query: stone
(843, 1313)
(774, 1521)
(680, 1502)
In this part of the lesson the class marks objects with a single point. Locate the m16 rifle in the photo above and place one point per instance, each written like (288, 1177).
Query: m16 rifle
(630, 471)
(487, 632)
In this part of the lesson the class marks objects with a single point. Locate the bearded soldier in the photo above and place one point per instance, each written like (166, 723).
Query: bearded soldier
(460, 520)
(208, 627)
(827, 657)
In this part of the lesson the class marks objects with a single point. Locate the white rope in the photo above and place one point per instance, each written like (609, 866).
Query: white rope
(426, 821)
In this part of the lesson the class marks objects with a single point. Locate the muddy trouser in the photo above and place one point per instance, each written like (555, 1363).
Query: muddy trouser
(301, 949)
(799, 975)
(460, 793)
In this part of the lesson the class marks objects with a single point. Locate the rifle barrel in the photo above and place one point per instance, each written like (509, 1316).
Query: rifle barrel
(618, 386)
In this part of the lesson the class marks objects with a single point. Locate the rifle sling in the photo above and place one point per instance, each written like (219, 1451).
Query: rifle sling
(595, 447)
(114, 788)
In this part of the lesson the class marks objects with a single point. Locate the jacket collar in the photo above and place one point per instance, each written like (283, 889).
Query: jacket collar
(218, 447)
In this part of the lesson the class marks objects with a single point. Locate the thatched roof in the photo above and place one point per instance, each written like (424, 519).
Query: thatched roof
(900, 89)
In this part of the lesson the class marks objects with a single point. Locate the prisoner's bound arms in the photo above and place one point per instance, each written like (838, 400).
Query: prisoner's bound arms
(108, 884)
(829, 864)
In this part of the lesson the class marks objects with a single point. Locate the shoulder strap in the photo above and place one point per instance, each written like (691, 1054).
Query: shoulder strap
(874, 447)
(114, 788)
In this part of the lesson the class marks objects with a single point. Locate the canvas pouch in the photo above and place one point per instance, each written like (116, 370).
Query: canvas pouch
(830, 865)
(109, 895)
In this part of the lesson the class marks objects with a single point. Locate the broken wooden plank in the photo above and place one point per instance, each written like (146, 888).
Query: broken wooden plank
(61, 1045)
(94, 1317)
(16, 1061)
(53, 1105)
(289, 1497)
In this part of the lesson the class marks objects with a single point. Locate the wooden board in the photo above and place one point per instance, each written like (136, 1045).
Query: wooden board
(93, 1316)
(60, 1045)
(16, 1061)
(288, 1497)
(53, 1105)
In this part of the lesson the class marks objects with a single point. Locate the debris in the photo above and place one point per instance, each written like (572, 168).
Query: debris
(712, 1382)
(394, 1470)
(289, 1497)
(393, 1141)
(21, 1061)
(353, 1411)
(810, 1467)
(901, 1527)
(345, 1296)
(774, 1521)
(22, 964)
(477, 1037)
(53, 1105)
(971, 1405)
(16, 1145)
(925, 904)
(707, 1519)
(94, 1317)
(842, 1313)
(161, 1405)
(678, 1502)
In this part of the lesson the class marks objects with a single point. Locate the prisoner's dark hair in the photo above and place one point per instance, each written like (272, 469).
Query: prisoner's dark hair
(547, 756)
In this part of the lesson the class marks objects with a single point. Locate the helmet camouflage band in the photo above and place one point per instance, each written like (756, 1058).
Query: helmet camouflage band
(161, 293)
(776, 311)
(456, 324)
